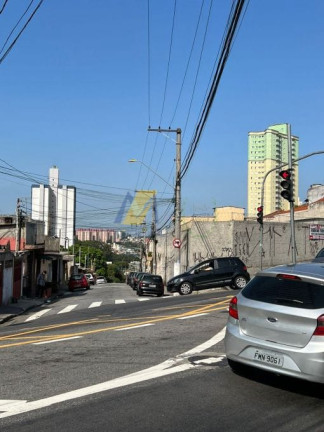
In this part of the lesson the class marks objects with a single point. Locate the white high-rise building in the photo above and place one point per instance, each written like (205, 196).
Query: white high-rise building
(55, 205)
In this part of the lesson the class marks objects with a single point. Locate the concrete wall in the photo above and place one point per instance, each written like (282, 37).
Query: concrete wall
(202, 240)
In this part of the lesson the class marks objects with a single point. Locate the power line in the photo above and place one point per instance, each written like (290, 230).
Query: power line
(169, 59)
(234, 19)
(21, 31)
(3, 6)
(188, 63)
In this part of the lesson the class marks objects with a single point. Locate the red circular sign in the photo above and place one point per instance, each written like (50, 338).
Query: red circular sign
(176, 243)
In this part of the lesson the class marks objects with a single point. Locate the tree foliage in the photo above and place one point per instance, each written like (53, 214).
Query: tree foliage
(99, 258)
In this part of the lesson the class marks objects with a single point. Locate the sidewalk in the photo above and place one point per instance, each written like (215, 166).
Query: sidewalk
(23, 304)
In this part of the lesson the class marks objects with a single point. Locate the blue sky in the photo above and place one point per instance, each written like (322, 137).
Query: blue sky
(79, 90)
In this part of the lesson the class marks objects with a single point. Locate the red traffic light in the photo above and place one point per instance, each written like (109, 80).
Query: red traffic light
(286, 174)
(287, 185)
(260, 215)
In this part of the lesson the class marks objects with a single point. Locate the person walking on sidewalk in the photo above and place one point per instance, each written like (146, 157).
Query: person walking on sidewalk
(41, 284)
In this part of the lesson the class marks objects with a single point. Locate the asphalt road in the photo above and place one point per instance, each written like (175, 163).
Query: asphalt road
(106, 360)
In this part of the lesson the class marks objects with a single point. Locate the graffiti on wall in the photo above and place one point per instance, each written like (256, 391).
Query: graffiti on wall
(227, 252)
(243, 243)
(198, 257)
(314, 248)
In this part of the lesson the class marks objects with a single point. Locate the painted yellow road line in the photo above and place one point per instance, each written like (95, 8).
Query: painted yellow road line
(12, 339)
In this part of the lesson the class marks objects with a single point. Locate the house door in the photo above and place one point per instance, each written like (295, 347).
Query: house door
(7, 285)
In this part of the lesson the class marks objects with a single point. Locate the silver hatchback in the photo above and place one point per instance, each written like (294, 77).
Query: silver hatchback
(276, 322)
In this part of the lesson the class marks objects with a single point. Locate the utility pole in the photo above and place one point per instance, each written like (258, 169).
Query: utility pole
(154, 235)
(18, 217)
(177, 201)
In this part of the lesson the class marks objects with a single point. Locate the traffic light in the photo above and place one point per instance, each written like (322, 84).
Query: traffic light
(287, 185)
(260, 215)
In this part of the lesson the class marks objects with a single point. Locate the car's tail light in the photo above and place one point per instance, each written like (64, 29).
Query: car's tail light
(319, 331)
(233, 308)
(288, 276)
(245, 268)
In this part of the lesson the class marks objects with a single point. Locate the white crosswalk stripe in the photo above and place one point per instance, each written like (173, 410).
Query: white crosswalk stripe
(70, 308)
(67, 309)
(37, 315)
(95, 304)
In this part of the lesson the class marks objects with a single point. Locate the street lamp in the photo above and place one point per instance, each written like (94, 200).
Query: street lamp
(149, 168)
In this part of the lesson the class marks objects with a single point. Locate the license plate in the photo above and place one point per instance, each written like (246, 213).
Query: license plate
(152, 286)
(268, 357)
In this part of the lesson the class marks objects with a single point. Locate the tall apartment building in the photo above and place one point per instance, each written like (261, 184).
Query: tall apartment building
(55, 205)
(266, 150)
(99, 234)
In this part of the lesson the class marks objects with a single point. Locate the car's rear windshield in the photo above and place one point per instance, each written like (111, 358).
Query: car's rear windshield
(286, 292)
(77, 277)
(152, 278)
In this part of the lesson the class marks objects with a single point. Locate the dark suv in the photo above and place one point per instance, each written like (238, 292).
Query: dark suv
(150, 284)
(211, 273)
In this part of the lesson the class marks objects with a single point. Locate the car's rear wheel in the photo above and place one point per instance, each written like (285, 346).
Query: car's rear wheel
(185, 288)
(239, 282)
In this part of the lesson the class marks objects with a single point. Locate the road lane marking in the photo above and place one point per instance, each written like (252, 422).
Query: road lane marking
(57, 340)
(37, 315)
(8, 404)
(134, 327)
(208, 344)
(193, 316)
(120, 301)
(168, 367)
(67, 309)
(11, 339)
(143, 299)
(95, 304)
(209, 360)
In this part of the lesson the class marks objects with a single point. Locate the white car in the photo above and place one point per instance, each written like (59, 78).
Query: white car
(101, 280)
(90, 278)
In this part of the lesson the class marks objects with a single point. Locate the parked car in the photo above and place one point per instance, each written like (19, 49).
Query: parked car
(320, 256)
(276, 323)
(129, 277)
(90, 278)
(150, 284)
(137, 278)
(101, 280)
(78, 281)
(211, 273)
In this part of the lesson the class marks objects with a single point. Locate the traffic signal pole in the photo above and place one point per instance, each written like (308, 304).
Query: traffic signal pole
(292, 218)
(262, 198)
